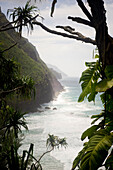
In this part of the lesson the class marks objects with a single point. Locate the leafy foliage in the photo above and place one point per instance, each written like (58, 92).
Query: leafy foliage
(104, 85)
(11, 120)
(89, 132)
(22, 16)
(55, 141)
(14, 84)
(12, 81)
(97, 152)
(89, 80)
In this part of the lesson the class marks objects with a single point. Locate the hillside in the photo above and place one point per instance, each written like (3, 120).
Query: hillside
(25, 53)
(63, 75)
(56, 74)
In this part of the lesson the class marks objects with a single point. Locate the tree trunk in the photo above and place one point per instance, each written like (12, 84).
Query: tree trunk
(103, 40)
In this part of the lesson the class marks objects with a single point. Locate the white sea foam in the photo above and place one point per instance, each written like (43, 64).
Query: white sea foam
(69, 120)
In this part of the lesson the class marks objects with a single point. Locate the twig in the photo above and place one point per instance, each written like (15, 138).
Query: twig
(81, 21)
(12, 90)
(8, 48)
(44, 154)
(84, 9)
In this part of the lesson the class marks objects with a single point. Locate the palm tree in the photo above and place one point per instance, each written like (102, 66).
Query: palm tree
(23, 16)
(14, 122)
(54, 142)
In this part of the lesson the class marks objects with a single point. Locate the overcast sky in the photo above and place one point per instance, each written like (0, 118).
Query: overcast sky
(67, 54)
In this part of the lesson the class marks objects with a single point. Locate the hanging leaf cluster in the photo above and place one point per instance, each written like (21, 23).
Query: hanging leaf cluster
(89, 80)
(97, 151)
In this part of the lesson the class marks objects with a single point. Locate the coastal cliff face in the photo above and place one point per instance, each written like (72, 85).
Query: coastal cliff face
(46, 85)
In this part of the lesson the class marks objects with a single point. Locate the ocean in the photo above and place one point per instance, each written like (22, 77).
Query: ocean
(64, 118)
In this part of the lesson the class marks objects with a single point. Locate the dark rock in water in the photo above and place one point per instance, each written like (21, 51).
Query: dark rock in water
(40, 111)
(47, 107)
(54, 108)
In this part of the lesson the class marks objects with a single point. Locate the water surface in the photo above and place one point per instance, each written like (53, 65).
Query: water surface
(69, 120)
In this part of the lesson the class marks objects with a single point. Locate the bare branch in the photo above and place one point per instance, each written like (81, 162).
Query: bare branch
(12, 90)
(9, 48)
(45, 154)
(13, 27)
(81, 21)
(53, 7)
(72, 31)
(84, 9)
(83, 39)
(9, 23)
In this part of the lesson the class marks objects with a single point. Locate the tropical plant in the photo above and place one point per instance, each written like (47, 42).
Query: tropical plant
(23, 16)
(97, 151)
(89, 80)
(51, 143)
(12, 84)
(11, 121)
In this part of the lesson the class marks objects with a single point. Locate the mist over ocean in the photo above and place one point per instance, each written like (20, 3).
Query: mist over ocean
(69, 120)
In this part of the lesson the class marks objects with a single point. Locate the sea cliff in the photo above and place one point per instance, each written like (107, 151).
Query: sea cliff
(46, 84)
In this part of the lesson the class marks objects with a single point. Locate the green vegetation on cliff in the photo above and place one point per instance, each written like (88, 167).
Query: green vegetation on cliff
(30, 65)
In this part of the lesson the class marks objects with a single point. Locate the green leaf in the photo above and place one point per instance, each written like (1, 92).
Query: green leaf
(79, 157)
(96, 56)
(97, 150)
(104, 85)
(109, 71)
(109, 161)
(93, 93)
(30, 152)
(97, 117)
(89, 80)
(89, 132)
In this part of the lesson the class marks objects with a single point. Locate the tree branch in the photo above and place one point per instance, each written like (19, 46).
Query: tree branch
(45, 154)
(84, 9)
(13, 27)
(71, 31)
(53, 7)
(12, 90)
(83, 39)
(81, 21)
(8, 48)
(9, 23)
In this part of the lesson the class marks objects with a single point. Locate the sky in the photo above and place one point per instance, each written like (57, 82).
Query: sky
(67, 54)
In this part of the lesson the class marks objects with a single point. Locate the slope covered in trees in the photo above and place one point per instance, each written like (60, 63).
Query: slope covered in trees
(31, 65)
